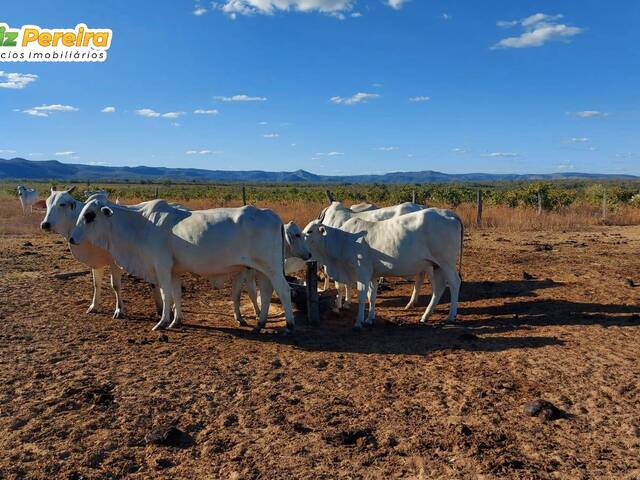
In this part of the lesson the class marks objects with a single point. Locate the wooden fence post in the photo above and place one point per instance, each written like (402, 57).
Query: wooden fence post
(244, 195)
(539, 203)
(413, 196)
(156, 192)
(479, 208)
(604, 204)
(329, 196)
(313, 305)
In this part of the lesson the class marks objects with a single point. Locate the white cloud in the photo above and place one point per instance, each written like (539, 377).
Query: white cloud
(589, 114)
(7, 151)
(65, 154)
(269, 7)
(172, 114)
(151, 113)
(359, 97)
(356, 15)
(201, 152)
(460, 150)
(579, 140)
(271, 135)
(500, 154)
(445, 16)
(538, 29)
(147, 112)
(198, 11)
(420, 98)
(45, 110)
(201, 111)
(16, 80)
(176, 124)
(334, 154)
(242, 98)
(397, 4)
(108, 110)
(388, 149)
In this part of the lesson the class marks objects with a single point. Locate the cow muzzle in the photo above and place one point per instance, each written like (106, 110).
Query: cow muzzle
(73, 241)
(46, 226)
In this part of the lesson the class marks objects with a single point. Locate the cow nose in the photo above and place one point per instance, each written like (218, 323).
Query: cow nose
(45, 226)
(72, 241)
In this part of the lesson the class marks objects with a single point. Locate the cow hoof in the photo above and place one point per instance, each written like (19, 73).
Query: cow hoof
(346, 305)
(242, 323)
(118, 314)
(158, 326)
(357, 328)
(257, 329)
(92, 309)
(175, 324)
(408, 306)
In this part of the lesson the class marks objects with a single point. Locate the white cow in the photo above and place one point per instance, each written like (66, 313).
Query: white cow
(336, 214)
(61, 217)
(158, 241)
(28, 196)
(362, 207)
(295, 256)
(428, 241)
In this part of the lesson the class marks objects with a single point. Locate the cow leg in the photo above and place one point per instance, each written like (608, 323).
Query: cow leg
(454, 281)
(415, 295)
(253, 292)
(373, 293)
(347, 295)
(266, 289)
(438, 284)
(157, 298)
(176, 288)
(284, 294)
(236, 290)
(327, 281)
(96, 273)
(362, 296)
(166, 289)
(338, 306)
(116, 281)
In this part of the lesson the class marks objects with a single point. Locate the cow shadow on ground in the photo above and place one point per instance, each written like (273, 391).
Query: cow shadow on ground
(474, 291)
(385, 339)
(504, 327)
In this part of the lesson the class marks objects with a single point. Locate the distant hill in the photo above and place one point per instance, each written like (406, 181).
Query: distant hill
(22, 169)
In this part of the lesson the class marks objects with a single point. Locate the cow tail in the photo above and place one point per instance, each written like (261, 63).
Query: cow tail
(461, 244)
(282, 234)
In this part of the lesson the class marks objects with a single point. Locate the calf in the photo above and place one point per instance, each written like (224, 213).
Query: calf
(28, 196)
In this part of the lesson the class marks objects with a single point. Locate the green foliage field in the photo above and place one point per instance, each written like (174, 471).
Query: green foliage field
(555, 195)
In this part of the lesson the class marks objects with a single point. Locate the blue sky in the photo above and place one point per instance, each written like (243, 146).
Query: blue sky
(335, 86)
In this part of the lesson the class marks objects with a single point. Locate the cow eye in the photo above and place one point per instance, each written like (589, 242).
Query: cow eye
(298, 235)
(63, 204)
(89, 217)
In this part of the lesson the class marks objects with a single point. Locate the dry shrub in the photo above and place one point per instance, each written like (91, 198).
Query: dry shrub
(575, 217)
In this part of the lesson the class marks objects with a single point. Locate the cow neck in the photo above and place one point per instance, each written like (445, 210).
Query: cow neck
(76, 212)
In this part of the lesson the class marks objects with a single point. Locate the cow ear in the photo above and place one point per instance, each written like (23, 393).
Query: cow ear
(107, 211)
(51, 189)
(71, 189)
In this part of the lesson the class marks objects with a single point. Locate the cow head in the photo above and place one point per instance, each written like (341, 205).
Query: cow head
(62, 212)
(315, 237)
(295, 242)
(93, 221)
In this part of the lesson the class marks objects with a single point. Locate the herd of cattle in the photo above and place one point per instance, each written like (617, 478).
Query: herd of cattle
(158, 241)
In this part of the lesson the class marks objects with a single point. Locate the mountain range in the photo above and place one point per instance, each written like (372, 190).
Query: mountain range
(22, 169)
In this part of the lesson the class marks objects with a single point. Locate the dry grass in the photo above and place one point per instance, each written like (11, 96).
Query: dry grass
(578, 217)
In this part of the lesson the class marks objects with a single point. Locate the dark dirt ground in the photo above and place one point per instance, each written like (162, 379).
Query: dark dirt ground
(79, 393)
